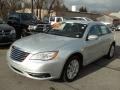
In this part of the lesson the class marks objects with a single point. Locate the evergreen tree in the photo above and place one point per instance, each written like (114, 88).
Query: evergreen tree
(83, 9)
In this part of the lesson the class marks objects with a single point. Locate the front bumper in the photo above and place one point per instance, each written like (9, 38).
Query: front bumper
(34, 69)
(7, 39)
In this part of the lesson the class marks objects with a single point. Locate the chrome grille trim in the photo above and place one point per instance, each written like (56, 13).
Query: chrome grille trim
(17, 54)
(5, 32)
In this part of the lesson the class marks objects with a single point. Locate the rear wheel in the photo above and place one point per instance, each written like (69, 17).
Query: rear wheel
(71, 69)
(23, 34)
(111, 51)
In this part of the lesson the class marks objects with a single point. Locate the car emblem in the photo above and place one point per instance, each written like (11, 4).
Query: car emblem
(3, 33)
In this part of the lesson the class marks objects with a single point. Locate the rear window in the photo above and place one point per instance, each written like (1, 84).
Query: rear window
(104, 30)
(77, 19)
(14, 18)
(25, 17)
(52, 18)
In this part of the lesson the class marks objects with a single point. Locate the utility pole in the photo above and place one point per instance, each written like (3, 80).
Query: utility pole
(32, 11)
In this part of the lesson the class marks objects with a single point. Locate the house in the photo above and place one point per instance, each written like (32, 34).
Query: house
(93, 16)
(117, 20)
(116, 14)
(108, 19)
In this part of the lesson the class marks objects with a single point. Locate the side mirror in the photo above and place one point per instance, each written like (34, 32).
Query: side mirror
(92, 37)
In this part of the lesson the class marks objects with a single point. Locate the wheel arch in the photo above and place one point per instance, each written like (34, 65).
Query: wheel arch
(76, 54)
(114, 43)
(73, 54)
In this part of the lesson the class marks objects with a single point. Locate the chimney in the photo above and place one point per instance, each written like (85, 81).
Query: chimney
(74, 8)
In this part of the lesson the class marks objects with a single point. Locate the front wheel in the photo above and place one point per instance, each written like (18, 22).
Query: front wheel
(71, 69)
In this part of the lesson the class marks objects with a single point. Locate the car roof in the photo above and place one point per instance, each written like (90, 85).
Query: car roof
(79, 17)
(17, 13)
(83, 22)
(77, 21)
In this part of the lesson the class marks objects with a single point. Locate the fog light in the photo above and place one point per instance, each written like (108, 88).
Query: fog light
(40, 75)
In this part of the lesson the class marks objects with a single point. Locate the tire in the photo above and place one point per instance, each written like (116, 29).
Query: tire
(71, 69)
(23, 34)
(111, 52)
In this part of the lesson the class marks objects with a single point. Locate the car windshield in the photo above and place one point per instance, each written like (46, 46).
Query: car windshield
(75, 30)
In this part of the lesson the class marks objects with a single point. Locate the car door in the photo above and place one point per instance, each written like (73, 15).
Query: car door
(93, 50)
(106, 38)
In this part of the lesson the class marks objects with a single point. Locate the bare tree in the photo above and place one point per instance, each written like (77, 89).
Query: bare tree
(59, 7)
(13, 4)
(50, 7)
(47, 4)
(52, 4)
(3, 9)
(39, 5)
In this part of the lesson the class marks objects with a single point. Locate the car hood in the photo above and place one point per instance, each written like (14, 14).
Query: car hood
(42, 42)
(5, 27)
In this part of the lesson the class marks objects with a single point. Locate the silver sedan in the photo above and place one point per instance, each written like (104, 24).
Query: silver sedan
(62, 51)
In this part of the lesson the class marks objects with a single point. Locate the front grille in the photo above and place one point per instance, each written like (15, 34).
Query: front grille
(17, 54)
(40, 26)
(4, 32)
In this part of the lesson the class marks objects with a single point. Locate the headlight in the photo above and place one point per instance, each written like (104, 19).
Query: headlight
(12, 32)
(32, 27)
(44, 56)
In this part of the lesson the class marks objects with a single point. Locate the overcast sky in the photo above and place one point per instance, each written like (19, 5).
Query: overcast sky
(95, 5)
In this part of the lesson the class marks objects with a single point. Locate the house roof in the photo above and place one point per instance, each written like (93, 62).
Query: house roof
(114, 17)
(115, 14)
(110, 16)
